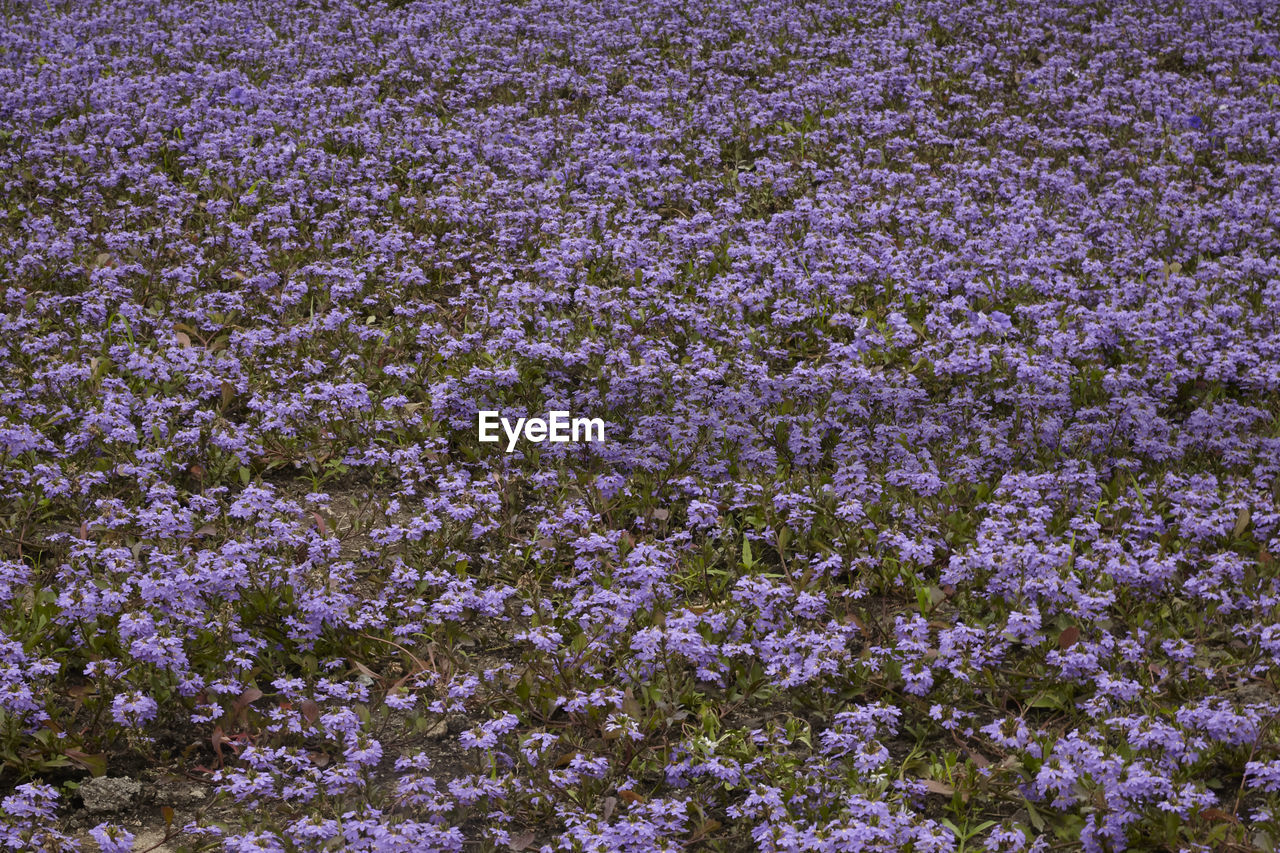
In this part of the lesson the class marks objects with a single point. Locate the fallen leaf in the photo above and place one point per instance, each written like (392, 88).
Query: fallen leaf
(521, 840)
(95, 763)
(630, 706)
(1242, 522)
(248, 697)
(217, 738)
(81, 692)
(942, 789)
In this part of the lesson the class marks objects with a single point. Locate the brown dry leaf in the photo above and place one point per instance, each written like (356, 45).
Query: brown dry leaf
(1242, 522)
(630, 706)
(631, 796)
(1068, 638)
(942, 789)
(521, 840)
(95, 763)
(249, 696)
(217, 739)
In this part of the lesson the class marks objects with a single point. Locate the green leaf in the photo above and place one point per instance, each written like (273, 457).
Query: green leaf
(1047, 701)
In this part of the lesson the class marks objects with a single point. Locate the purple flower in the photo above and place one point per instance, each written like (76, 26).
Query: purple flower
(112, 838)
(133, 709)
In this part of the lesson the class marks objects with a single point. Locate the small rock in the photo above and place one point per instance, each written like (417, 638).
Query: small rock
(179, 794)
(151, 840)
(107, 794)
(1254, 691)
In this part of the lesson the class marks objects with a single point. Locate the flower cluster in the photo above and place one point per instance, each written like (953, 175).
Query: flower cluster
(938, 346)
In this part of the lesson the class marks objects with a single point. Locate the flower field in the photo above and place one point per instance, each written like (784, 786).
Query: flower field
(937, 351)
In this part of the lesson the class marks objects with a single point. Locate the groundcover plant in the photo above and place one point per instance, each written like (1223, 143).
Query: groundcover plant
(936, 344)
